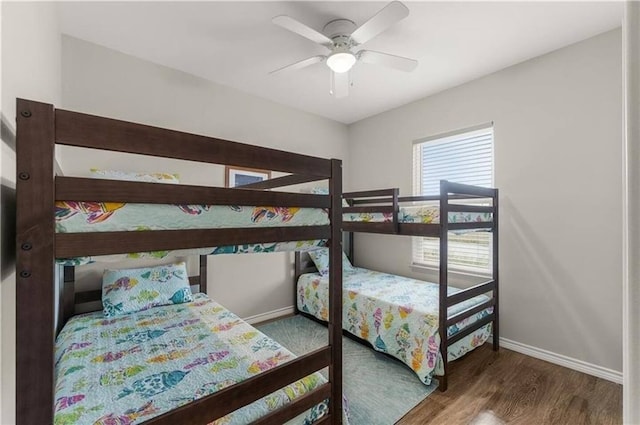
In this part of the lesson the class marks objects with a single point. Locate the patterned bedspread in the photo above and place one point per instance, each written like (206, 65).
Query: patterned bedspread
(397, 315)
(418, 214)
(131, 368)
(78, 217)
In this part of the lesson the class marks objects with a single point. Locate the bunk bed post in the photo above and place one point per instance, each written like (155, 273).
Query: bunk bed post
(350, 239)
(297, 266)
(335, 293)
(496, 306)
(203, 274)
(443, 310)
(396, 209)
(68, 293)
(35, 270)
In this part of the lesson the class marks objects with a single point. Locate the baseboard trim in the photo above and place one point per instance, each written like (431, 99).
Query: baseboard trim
(269, 315)
(562, 360)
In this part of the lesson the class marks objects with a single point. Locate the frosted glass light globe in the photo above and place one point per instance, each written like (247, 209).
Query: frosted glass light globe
(341, 62)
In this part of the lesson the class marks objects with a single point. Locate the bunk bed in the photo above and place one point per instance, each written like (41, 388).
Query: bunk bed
(373, 300)
(46, 297)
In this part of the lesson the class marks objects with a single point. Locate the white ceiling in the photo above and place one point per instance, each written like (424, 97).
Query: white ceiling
(235, 44)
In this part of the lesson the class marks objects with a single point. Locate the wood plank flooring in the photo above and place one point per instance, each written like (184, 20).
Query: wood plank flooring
(489, 388)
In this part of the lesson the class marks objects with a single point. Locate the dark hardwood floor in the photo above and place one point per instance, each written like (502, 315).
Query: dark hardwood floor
(489, 388)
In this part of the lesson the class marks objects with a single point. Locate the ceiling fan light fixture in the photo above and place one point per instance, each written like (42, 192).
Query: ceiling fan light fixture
(341, 61)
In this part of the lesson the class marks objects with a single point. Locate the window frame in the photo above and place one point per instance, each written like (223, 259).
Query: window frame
(417, 191)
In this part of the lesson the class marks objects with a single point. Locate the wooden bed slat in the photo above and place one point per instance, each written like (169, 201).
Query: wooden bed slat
(82, 130)
(407, 229)
(225, 401)
(471, 225)
(88, 296)
(382, 209)
(368, 193)
(368, 227)
(371, 201)
(35, 296)
(466, 189)
(470, 312)
(69, 245)
(326, 420)
(82, 189)
(470, 208)
(281, 181)
(428, 198)
(471, 292)
(419, 229)
(296, 407)
(469, 329)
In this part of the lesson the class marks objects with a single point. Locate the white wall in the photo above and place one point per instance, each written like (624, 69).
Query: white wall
(558, 165)
(105, 82)
(30, 69)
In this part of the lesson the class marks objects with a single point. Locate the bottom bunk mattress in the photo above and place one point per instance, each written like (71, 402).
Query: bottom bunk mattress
(128, 369)
(397, 315)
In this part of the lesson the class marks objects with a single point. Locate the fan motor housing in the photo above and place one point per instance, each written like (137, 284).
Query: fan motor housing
(339, 30)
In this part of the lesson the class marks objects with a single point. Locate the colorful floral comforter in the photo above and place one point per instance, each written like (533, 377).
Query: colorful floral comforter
(418, 214)
(397, 315)
(78, 217)
(129, 369)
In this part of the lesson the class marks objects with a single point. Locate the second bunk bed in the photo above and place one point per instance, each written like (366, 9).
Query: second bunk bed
(140, 360)
(400, 316)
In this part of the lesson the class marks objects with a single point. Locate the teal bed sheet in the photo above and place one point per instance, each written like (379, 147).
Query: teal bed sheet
(80, 217)
(397, 315)
(128, 369)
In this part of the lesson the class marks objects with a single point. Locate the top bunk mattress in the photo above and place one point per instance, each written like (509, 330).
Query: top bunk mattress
(426, 214)
(128, 369)
(78, 217)
(81, 217)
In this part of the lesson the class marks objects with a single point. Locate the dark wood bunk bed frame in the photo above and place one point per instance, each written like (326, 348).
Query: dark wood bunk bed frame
(39, 128)
(388, 201)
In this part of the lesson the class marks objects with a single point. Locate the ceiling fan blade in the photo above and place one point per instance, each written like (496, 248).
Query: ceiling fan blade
(340, 82)
(301, 64)
(385, 59)
(299, 28)
(389, 15)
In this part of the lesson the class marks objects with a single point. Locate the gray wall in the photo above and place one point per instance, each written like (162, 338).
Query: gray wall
(631, 310)
(558, 165)
(105, 82)
(31, 70)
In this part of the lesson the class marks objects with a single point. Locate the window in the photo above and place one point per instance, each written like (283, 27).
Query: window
(461, 157)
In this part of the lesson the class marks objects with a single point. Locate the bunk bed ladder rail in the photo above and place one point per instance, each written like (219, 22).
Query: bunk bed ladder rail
(449, 190)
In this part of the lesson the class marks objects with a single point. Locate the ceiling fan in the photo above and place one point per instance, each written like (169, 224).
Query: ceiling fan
(342, 39)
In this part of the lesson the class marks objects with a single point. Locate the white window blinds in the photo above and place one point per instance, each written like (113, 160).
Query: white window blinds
(463, 157)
